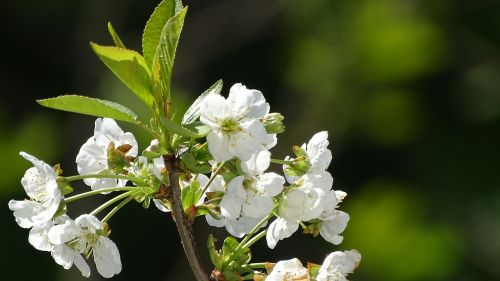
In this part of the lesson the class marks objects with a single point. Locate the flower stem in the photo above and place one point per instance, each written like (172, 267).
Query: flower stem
(255, 239)
(99, 191)
(118, 207)
(282, 162)
(110, 202)
(214, 175)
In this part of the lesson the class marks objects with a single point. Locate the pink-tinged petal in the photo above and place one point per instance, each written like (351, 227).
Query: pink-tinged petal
(218, 145)
(107, 257)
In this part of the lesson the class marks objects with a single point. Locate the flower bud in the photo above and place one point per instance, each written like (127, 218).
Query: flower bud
(273, 122)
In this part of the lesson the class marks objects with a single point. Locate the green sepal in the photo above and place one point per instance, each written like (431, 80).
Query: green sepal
(130, 67)
(189, 193)
(151, 35)
(91, 106)
(193, 112)
(116, 39)
(61, 209)
(215, 256)
(64, 186)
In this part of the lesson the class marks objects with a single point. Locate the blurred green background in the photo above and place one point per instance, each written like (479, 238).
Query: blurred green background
(409, 91)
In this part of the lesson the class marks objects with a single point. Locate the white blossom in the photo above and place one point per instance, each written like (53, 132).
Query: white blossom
(40, 185)
(93, 155)
(38, 236)
(338, 265)
(251, 195)
(280, 229)
(288, 270)
(334, 221)
(236, 128)
(83, 236)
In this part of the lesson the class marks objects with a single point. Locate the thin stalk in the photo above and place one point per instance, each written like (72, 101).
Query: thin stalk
(99, 191)
(214, 175)
(118, 207)
(97, 176)
(282, 162)
(110, 202)
(255, 239)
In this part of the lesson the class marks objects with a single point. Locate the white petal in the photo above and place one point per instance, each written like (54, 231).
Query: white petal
(60, 234)
(318, 152)
(339, 263)
(257, 206)
(242, 145)
(330, 229)
(90, 222)
(280, 229)
(218, 145)
(160, 206)
(231, 203)
(270, 184)
(107, 257)
(322, 179)
(213, 110)
(24, 211)
(64, 255)
(38, 237)
(258, 163)
(215, 222)
(288, 270)
(239, 100)
(242, 225)
(82, 265)
(107, 130)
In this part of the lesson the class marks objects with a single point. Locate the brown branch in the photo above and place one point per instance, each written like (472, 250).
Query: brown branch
(184, 226)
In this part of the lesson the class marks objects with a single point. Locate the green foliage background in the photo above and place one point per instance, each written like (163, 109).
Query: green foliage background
(409, 91)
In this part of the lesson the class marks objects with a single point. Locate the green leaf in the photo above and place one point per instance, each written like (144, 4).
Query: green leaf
(116, 38)
(130, 68)
(212, 252)
(193, 111)
(178, 129)
(163, 61)
(228, 246)
(91, 106)
(151, 35)
(188, 195)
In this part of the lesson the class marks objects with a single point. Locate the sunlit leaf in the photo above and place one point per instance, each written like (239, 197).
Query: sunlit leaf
(193, 111)
(90, 106)
(130, 67)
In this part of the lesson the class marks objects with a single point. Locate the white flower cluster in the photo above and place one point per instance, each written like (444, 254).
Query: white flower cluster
(240, 194)
(310, 197)
(335, 267)
(66, 239)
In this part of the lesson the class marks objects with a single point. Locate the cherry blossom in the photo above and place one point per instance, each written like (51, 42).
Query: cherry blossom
(236, 128)
(40, 185)
(93, 155)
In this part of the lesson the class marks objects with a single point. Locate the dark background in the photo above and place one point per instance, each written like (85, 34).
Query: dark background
(409, 91)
